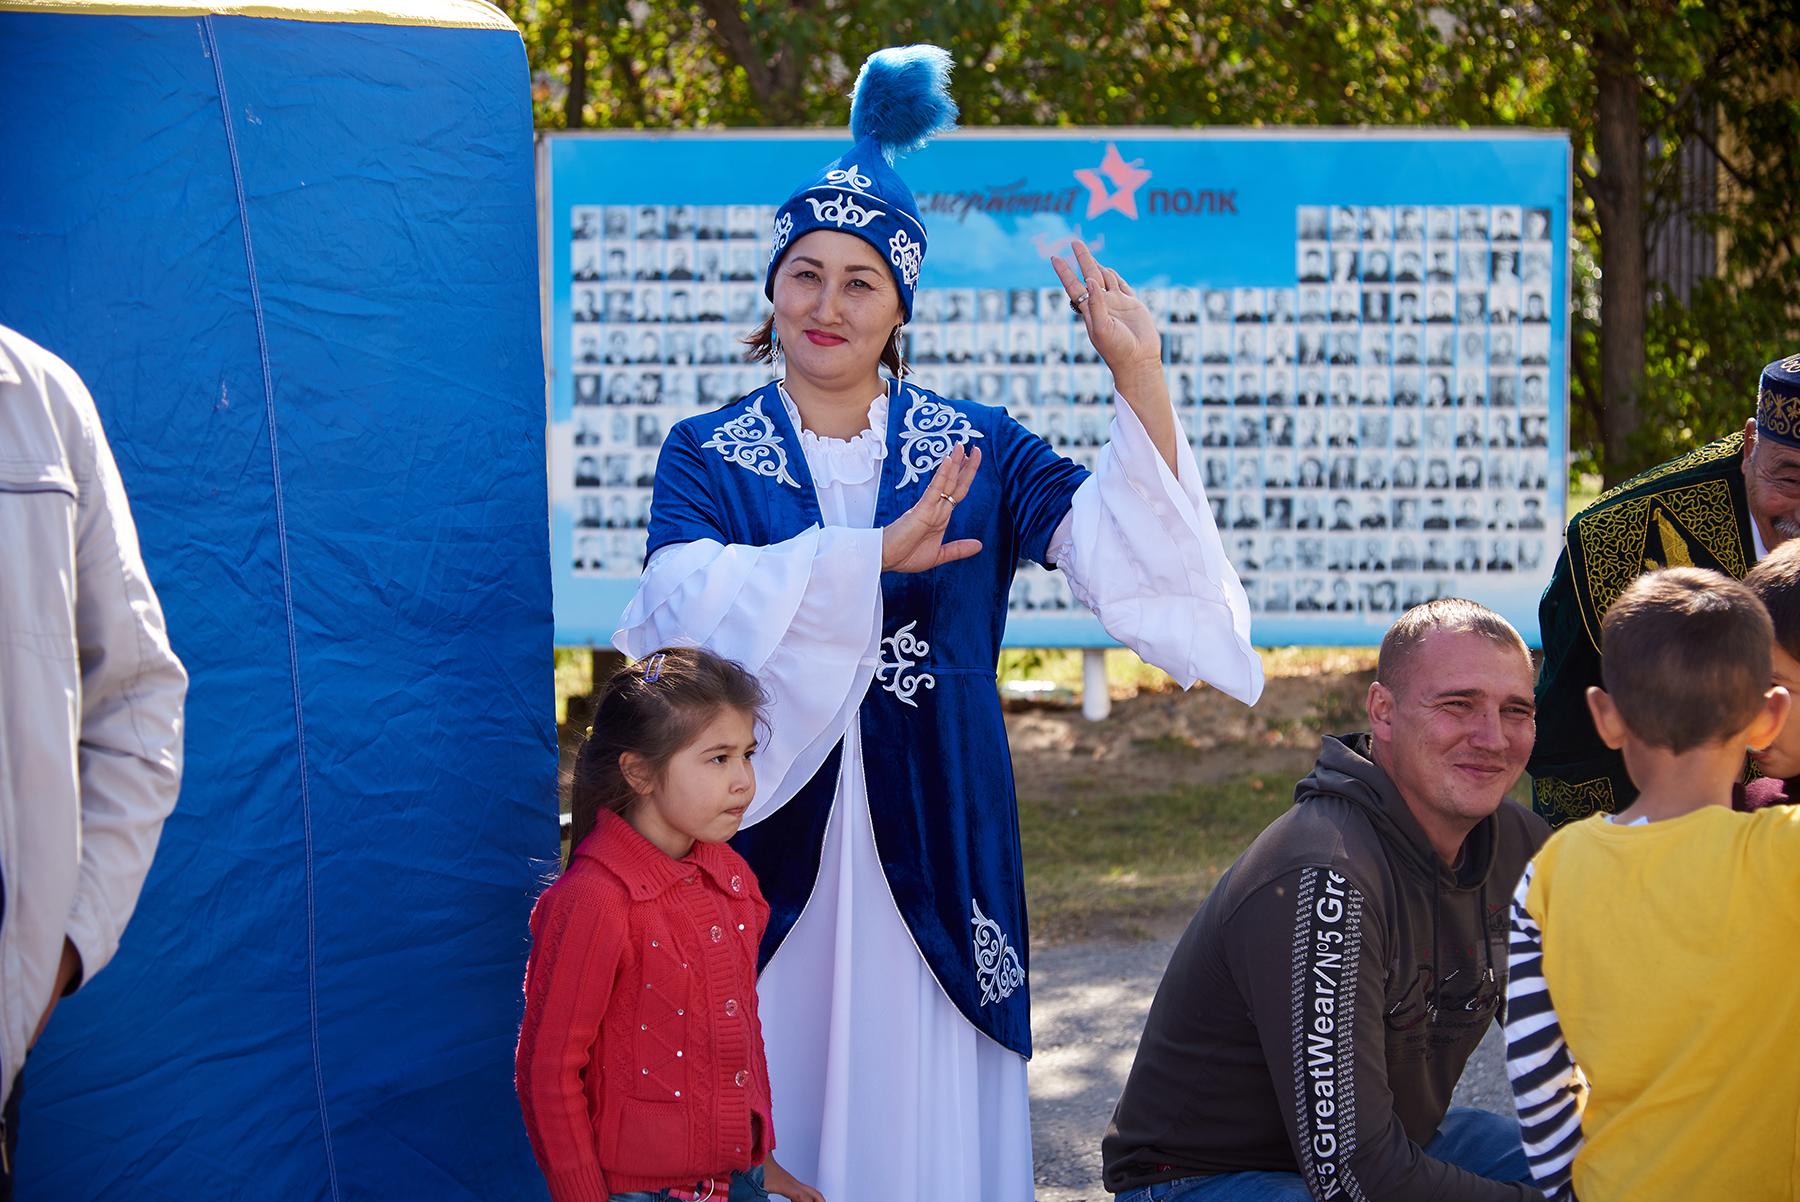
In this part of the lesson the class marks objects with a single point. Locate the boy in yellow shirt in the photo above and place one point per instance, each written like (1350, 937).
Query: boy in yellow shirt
(1639, 938)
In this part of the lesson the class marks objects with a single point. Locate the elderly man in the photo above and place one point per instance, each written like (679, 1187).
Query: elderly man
(1724, 507)
(1318, 1011)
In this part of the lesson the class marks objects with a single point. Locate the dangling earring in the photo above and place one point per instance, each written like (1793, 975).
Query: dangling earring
(899, 354)
(774, 343)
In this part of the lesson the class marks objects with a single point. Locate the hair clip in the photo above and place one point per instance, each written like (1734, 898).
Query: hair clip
(653, 668)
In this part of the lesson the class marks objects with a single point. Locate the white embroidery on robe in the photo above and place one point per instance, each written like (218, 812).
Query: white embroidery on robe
(842, 210)
(907, 256)
(750, 442)
(997, 967)
(852, 176)
(929, 432)
(908, 650)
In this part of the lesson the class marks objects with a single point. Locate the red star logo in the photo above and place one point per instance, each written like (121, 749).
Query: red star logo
(1124, 180)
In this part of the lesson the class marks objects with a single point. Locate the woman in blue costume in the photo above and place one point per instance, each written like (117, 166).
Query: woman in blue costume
(851, 538)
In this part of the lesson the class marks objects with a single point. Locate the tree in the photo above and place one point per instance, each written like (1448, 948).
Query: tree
(1639, 86)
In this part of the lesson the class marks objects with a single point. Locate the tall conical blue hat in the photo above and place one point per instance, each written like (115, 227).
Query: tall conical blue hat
(901, 100)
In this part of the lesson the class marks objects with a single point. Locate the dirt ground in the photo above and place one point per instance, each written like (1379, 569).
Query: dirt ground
(1155, 739)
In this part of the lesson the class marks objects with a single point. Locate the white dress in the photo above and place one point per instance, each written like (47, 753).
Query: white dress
(883, 1092)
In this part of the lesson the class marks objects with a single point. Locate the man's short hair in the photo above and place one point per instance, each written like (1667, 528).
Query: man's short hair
(1447, 615)
(1776, 583)
(1684, 653)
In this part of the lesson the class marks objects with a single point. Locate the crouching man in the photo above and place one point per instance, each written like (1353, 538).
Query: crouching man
(1318, 1011)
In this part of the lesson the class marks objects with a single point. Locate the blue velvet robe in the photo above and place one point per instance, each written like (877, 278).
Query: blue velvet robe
(939, 778)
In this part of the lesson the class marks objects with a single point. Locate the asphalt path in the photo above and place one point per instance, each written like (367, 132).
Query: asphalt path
(1088, 1002)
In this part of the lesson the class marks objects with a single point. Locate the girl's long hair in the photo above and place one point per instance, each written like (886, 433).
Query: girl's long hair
(653, 709)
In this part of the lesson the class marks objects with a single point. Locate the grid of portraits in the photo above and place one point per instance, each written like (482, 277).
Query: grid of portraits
(1368, 438)
(659, 296)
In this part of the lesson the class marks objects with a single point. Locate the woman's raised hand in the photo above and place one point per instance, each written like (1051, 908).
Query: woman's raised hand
(1121, 326)
(914, 541)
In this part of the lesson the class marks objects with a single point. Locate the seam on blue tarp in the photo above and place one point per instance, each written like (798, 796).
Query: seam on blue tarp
(287, 597)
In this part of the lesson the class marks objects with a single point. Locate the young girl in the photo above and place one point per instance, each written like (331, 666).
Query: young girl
(640, 1066)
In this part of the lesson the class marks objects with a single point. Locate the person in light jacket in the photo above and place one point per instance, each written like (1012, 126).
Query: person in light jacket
(90, 705)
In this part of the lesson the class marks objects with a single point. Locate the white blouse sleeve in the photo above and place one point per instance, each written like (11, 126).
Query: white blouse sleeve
(804, 615)
(1140, 549)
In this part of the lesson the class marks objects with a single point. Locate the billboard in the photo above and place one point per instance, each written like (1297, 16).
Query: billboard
(1365, 336)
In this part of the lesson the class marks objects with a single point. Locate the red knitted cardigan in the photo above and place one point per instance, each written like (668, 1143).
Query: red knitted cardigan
(640, 1061)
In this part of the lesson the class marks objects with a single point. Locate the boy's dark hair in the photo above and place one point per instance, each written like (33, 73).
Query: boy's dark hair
(1446, 615)
(1685, 657)
(652, 709)
(1776, 583)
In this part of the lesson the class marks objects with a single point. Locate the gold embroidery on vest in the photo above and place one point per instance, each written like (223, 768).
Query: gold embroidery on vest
(1725, 448)
(1705, 511)
(1560, 802)
(1615, 548)
(1612, 556)
(1674, 549)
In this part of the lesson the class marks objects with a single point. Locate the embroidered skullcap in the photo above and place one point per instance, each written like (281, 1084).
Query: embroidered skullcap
(1778, 402)
(901, 100)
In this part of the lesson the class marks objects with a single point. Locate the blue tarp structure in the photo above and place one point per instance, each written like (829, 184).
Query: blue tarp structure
(293, 254)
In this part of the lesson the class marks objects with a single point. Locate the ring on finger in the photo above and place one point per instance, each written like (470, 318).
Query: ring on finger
(1077, 302)
(948, 497)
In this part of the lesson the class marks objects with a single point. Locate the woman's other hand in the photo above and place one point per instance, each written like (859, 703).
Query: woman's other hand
(914, 541)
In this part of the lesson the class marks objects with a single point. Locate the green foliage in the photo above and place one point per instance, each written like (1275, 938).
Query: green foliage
(574, 677)
(1717, 74)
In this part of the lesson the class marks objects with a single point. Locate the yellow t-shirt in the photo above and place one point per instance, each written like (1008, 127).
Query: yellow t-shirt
(1672, 957)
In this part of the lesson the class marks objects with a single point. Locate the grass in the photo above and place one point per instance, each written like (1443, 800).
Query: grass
(1130, 867)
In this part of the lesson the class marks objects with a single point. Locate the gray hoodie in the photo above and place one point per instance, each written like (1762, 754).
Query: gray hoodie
(1319, 1009)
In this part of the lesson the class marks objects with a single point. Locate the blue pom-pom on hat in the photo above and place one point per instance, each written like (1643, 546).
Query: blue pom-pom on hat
(1778, 402)
(901, 100)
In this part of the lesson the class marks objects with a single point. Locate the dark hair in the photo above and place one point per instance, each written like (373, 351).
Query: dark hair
(761, 344)
(652, 709)
(1776, 583)
(1447, 615)
(1684, 653)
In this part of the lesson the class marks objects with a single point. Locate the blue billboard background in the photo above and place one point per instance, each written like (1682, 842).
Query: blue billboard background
(1365, 336)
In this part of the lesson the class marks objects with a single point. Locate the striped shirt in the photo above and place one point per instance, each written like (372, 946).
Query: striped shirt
(1548, 1086)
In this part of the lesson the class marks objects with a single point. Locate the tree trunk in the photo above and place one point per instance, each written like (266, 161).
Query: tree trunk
(575, 103)
(1619, 146)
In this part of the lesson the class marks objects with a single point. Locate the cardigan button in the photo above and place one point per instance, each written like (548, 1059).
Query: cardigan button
(740, 926)
(740, 1078)
(716, 933)
(678, 1053)
(737, 883)
(731, 1007)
